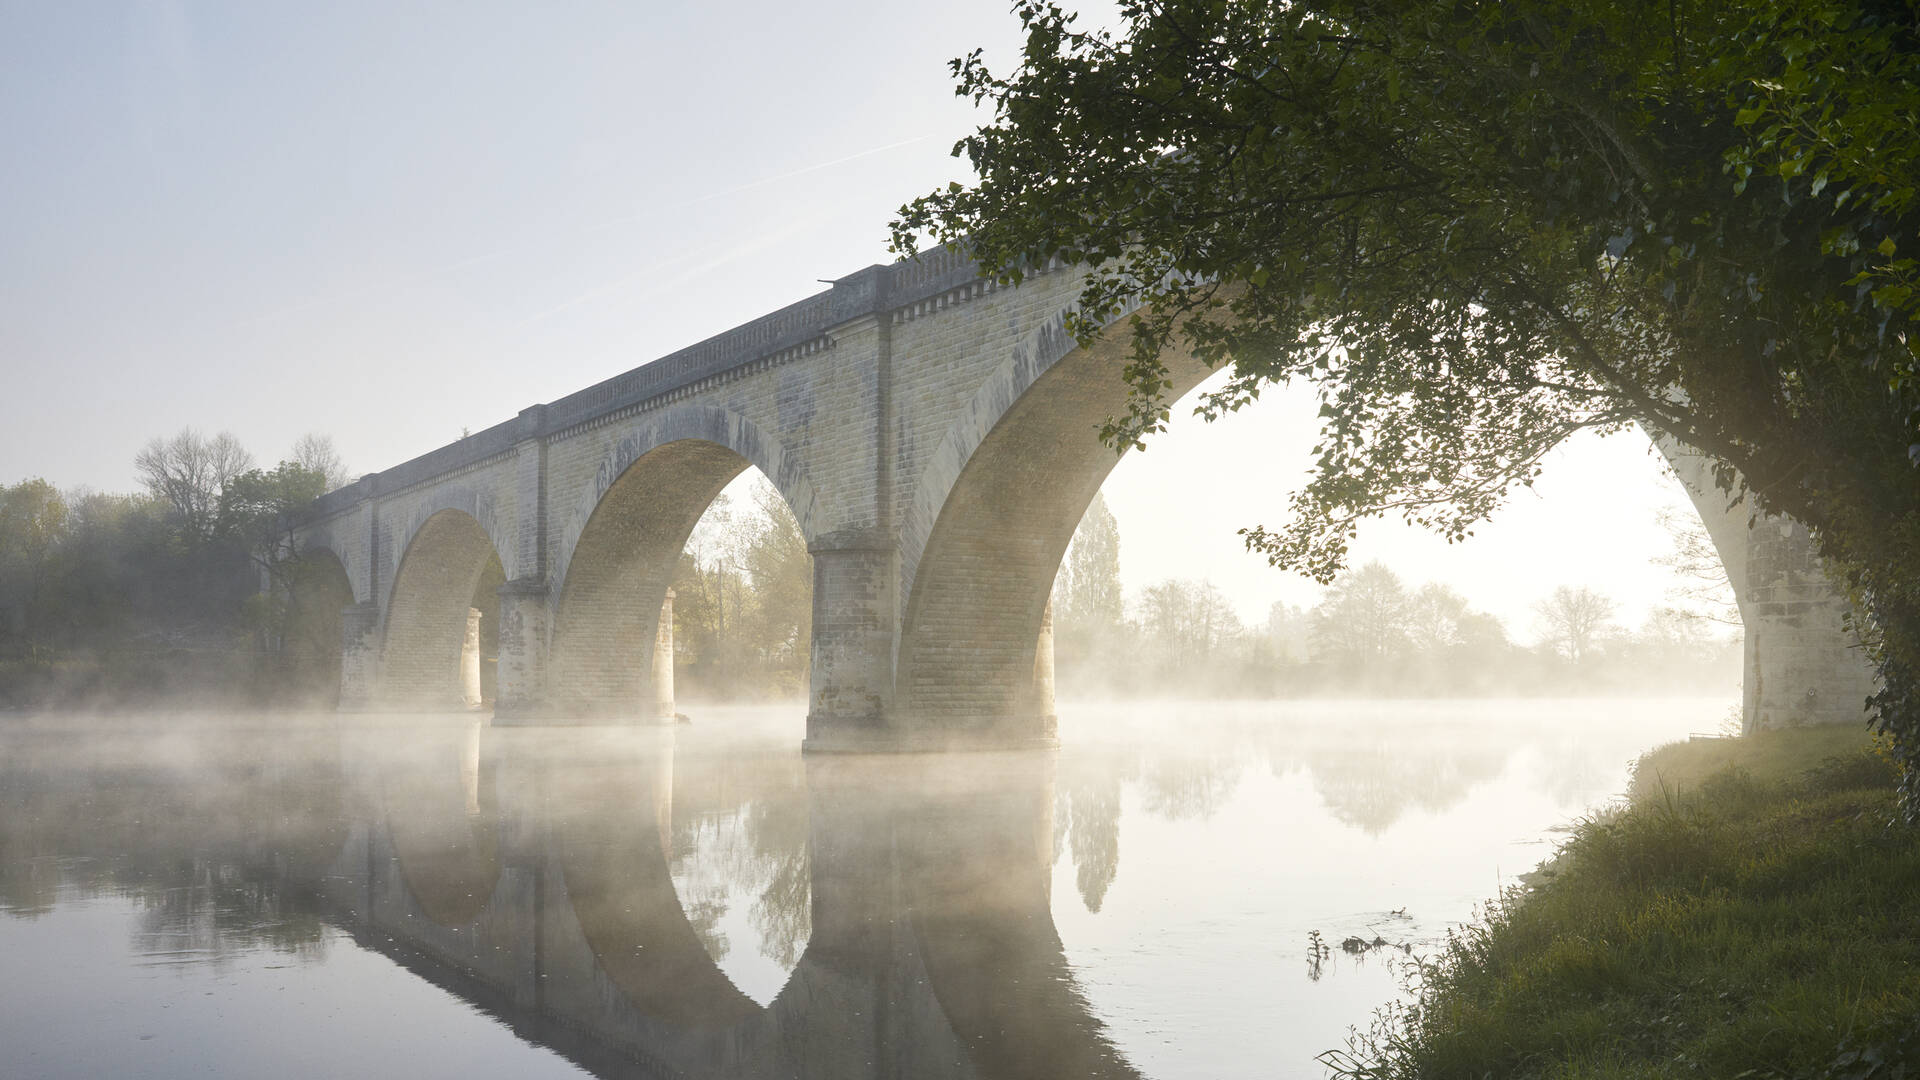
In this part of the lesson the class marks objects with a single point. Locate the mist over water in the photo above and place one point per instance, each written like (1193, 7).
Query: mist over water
(325, 896)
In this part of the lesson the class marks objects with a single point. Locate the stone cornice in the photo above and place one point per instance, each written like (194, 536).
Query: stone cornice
(922, 283)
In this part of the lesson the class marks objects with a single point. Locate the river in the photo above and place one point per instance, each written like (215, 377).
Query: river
(1182, 890)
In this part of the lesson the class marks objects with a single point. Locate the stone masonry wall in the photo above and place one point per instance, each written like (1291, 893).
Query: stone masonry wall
(1802, 665)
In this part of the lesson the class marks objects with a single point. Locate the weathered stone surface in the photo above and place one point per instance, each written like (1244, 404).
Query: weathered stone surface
(933, 434)
(1803, 664)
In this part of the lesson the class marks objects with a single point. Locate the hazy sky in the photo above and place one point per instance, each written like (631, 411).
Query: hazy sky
(392, 222)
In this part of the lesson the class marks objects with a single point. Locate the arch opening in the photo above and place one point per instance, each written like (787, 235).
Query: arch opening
(443, 610)
(690, 580)
(318, 596)
(976, 632)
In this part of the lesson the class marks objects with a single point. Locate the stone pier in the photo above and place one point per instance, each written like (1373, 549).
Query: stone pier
(663, 710)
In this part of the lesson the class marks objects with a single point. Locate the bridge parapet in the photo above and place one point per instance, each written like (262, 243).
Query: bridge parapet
(797, 328)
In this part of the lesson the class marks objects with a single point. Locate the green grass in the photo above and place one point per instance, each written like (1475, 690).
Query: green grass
(1751, 913)
(1770, 756)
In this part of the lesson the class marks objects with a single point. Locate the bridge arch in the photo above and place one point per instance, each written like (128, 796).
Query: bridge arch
(319, 592)
(616, 564)
(451, 567)
(993, 512)
(997, 503)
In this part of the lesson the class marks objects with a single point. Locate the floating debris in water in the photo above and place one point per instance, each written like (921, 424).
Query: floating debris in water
(1357, 945)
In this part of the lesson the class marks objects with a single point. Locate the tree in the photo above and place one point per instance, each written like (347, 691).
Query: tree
(1478, 228)
(743, 616)
(109, 558)
(781, 573)
(1700, 590)
(1288, 628)
(1572, 621)
(315, 453)
(190, 473)
(1437, 619)
(710, 590)
(1092, 598)
(1186, 622)
(33, 521)
(257, 510)
(1363, 618)
(1089, 612)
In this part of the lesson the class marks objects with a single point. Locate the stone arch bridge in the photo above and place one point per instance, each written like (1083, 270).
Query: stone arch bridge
(933, 434)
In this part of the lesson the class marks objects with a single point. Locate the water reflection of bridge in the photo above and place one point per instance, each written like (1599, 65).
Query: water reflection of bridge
(534, 880)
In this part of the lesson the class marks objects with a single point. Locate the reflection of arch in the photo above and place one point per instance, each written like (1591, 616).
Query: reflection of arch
(440, 817)
(992, 515)
(554, 907)
(446, 561)
(613, 856)
(319, 592)
(965, 844)
(648, 495)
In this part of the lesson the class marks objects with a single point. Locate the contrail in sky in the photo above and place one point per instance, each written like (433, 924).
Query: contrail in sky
(807, 169)
(738, 251)
(609, 223)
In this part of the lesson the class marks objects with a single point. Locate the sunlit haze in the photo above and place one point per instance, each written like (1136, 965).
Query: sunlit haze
(398, 676)
(417, 221)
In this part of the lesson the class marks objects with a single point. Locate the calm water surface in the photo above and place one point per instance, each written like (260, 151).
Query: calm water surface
(426, 896)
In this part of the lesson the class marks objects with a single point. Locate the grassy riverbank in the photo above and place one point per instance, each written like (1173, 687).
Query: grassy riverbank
(1750, 913)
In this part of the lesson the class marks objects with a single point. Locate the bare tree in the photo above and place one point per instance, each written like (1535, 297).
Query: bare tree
(316, 452)
(1572, 619)
(1187, 620)
(1437, 618)
(1700, 590)
(189, 472)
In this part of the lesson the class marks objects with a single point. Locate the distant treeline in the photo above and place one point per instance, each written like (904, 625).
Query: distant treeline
(109, 599)
(1373, 634)
(743, 611)
(137, 599)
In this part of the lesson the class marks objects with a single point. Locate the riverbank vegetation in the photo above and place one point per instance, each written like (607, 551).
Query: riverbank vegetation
(743, 604)
(1748, 913)
(155, 596)
(108, 599)
(1375, 634)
